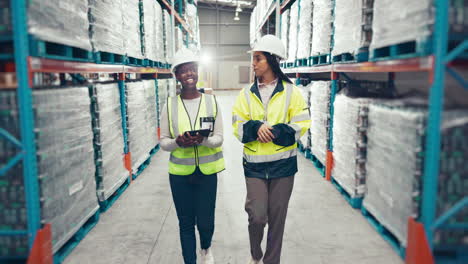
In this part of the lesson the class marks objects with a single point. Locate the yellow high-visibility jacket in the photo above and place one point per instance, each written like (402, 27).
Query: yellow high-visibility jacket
(289, 116)
(183, 161)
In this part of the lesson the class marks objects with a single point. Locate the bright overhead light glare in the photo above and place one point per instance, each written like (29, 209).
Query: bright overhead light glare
(205, 59)
(238, 9)
(236, 18)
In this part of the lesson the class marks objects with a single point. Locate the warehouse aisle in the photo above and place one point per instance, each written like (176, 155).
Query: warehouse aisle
(142, 225)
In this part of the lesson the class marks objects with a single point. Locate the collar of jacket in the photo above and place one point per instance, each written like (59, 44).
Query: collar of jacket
(279, 88)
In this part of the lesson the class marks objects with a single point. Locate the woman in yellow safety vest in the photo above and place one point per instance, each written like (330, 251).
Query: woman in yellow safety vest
(192, 130)
(268, 118)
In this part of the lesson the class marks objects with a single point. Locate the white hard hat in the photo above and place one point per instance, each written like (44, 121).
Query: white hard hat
(182, 56)
(271, 44)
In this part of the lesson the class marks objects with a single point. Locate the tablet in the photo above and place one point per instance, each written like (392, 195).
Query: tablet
(203, 132)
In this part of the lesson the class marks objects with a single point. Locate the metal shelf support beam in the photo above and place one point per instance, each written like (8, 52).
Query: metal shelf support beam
(431, 163)
(20, 38)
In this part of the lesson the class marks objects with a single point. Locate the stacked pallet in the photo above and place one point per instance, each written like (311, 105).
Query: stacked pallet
(168, 40)
(107, 33)
(65, 165)
(395, 164)
(453, 177)
(305, 29)
(162, 98)
(320, 118)
(108, 139)
(151, 118)
(284, 28)
(142, 122)
(350, 144)
(400, 21)
(131, 28)
(153, 30)
(60, 21)
(293, 32)
(305, 139)
(12, 198)
(322, 27)
(353, 28)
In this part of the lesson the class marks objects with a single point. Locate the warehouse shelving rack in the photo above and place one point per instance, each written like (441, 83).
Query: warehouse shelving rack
(25, 66)
(420, 249)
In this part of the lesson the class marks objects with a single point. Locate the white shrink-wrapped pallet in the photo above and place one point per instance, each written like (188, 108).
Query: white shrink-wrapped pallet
(131, 28)
(399, 21)
(151, 118)
(253, 25)
(348, 26)
(395, 162)
(168, 37)
(108, 139)
(304, 42)
(136, 112)
(320, 118)
(349, 143)
(60, 21)
(106, 26)
(293, 31)
(284, 26)
(159, 34)
(149, 24)
(154, 31)
(66, 160)
(322, 27)
(305, 139)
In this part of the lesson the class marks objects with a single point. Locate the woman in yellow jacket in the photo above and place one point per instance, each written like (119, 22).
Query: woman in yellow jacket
(195, 158)
(268, 118)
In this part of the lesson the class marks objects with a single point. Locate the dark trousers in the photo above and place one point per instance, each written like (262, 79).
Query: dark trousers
(195, 203)
(267, 202)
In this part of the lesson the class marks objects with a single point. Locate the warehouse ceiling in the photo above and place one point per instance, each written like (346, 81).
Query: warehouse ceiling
(244, 4)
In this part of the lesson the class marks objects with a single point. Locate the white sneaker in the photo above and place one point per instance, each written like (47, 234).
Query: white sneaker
(206, 256)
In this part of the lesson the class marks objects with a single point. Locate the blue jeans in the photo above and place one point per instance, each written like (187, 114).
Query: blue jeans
(195, 203)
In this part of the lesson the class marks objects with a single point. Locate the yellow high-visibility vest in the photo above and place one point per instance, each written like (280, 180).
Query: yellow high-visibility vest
(183, 161)
(286, 106)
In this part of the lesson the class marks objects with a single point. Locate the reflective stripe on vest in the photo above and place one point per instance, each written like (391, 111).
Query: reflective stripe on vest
(256, 152)
(183, 161)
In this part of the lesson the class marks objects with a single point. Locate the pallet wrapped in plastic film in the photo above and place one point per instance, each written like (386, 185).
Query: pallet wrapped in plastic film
(304, 42)
(65, 166)
(142, 120)
(151, 114)
(153, 31)
(320, 118)
(353, 26)
(108, 139)
(253, 25)
(106, 26)
(293, 32)
(395, 162)
(60, 21)
(284, 26)
(399, 21)
(322, 27)
(168, 39)
(350, 122)
(162, 97)
(305, 139)
(131, 28)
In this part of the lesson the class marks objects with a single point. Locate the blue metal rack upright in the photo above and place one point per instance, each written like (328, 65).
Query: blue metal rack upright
(26, 66)
(437, 64)
(26, 143)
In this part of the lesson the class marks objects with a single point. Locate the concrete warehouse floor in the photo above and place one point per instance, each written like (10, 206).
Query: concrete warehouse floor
(142, 226)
